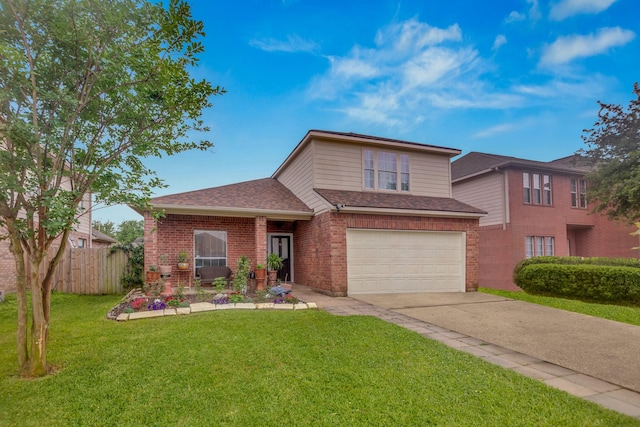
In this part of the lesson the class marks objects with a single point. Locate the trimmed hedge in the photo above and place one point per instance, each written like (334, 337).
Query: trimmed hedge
(603, 279)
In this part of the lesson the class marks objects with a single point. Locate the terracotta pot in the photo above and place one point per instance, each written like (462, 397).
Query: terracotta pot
(183, 266)
(165, 269)
(261, 273)
(273, 275)
(152, 276)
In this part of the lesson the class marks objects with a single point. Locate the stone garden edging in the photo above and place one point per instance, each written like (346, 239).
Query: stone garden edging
(199, 307)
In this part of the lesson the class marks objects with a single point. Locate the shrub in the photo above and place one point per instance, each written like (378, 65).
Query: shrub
(588, 281)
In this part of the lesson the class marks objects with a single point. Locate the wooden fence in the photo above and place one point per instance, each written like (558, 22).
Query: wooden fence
(91, 271)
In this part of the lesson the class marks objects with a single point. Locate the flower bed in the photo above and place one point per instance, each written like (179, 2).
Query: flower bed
(136, 301)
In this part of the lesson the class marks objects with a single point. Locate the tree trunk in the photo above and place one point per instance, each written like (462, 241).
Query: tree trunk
(21, 293)
(37, 361)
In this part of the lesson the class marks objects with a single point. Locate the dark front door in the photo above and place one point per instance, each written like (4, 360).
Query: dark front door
(282, 246)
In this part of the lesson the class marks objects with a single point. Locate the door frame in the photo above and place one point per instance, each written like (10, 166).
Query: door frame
(291, 260)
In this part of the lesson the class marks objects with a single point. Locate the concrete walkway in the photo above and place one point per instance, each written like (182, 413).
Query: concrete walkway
(592, 358)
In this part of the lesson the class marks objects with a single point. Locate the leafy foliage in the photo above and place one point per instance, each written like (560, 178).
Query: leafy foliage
(108, 228)
(133, 275)
(614, 150)
(130, 230)
(88, 90)
(593, 279)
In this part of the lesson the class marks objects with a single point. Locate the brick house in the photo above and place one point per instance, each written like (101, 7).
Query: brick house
(349, 213)
(534, 208)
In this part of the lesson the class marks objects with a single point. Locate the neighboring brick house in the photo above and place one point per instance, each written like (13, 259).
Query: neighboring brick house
(349, 213)
(79, 238)
(101, 240)
(534, 208)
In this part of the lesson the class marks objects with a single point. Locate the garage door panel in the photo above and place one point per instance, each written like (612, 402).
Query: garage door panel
(383, 261)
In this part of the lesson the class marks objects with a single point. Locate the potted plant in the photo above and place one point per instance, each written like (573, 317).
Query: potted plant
(261, 275)
(183, 260)
(165, 268)
(152, 274)
(274, 263)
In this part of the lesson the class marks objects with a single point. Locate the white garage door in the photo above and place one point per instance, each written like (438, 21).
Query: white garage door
(391, 261)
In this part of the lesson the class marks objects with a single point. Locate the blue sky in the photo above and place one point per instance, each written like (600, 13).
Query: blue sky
(512, 77)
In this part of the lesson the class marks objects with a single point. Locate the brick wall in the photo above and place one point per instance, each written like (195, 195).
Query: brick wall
(575, 231)
(321, 247)
(174, 233)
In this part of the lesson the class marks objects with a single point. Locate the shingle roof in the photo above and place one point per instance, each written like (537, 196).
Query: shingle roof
(99, 235)
(260, 194)
(474, 163)
(370, 199)
(379, 138)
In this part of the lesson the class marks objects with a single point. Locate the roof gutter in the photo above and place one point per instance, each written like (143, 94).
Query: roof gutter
(232, 212)
(407, 212)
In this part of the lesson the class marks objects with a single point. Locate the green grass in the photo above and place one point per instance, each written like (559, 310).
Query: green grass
(265, 368)
(625, 314)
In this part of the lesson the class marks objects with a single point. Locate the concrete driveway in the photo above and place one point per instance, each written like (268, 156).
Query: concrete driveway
(597, 347)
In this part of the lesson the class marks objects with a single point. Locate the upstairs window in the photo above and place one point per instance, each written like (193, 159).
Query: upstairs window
(384, 170)
(537, 189)
(369, 170)
(578, 193)
(387, 171)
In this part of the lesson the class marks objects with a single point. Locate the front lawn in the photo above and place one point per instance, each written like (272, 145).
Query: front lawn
(629, 314)
(265, 368)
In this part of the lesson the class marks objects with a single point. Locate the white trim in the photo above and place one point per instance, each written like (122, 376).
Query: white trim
(269, 249)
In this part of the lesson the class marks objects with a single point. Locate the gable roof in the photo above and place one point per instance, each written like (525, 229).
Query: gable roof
(357, 138)
(260, 197)
(356, 200)
(476, 163)
(101, 237)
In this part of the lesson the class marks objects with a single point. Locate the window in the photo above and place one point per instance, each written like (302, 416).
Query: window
(539, 246)
(210, 248)
(404, 172)
(537, 188)
(369, 173)
(387, 171)
(82, 243)
(547, 189)
(384, 170)
(578, 193)
(526, 183)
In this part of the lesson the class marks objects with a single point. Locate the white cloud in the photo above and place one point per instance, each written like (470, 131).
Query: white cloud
(533, 13)
(515, 17)
(534, 10)
(566, 49)
(566, 8)
(411, 68)
(413, 34)
(499, 41)
(293, 43)
(495, 130)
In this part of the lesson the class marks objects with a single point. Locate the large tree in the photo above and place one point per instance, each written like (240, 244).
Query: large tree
(108, 227)
(129, 230)
(614, 151)
(88, 90)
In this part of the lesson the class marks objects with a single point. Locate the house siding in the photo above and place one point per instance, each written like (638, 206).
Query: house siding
(299, 178)
(430, 175)
(485, 193)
